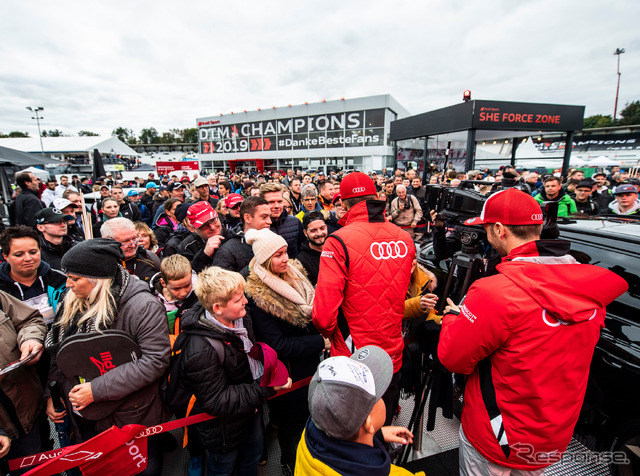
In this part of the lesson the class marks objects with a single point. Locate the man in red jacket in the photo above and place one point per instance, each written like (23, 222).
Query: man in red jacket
(525, 338)
(365, 269)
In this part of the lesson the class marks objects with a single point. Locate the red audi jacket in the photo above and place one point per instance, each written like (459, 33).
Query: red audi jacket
(526, 337)
(365, 268)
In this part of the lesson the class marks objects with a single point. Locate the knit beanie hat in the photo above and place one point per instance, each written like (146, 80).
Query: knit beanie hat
(264, 242)
(96, 258)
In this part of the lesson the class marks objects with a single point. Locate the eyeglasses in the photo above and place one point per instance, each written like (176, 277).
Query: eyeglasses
(131, 242)
(211, 224)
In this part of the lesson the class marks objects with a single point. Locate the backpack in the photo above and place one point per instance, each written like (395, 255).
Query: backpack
(173, 392)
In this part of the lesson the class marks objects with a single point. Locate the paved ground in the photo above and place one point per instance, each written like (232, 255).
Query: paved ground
(444, 438)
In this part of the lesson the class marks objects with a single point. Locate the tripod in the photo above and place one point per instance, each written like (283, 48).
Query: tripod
(467, 266)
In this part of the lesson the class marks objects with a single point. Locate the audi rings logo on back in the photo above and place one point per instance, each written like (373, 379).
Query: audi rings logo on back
(358, 190)
(536, 216)
(388, 250)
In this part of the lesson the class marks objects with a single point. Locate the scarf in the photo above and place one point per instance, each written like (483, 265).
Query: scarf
(295, 287)
(257, 369)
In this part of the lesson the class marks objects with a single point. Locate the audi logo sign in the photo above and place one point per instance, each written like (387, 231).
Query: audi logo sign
(388, 250)
(536, 216)
(358, 190)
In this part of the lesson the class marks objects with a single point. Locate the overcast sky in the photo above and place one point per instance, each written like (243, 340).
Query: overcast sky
(98, 65)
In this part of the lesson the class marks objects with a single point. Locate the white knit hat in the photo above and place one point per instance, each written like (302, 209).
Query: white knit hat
(264, 242)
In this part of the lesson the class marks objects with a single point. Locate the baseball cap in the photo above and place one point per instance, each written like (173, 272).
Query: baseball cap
(61, 203)
(357, 184)
(200, 181)
(174, 185)
(181, 210)
(343, 390)
(132, 193)
(200, 213)
(151, 185)
(585, 184)
(233, 199)
(625, 188)
(50, 215)
(509, 207)
(104, 186)
(336, 197)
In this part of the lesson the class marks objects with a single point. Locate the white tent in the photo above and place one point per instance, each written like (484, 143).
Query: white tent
(69, 145)
(43, 174)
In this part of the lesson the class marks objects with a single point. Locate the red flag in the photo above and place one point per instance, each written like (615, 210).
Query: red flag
(108, 452)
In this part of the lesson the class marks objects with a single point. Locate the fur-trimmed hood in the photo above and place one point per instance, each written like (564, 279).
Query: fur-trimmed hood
(273, 303)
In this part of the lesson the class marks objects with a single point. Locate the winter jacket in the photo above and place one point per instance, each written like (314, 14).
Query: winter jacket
(405, 217)
(27, 204)
(45, 292)
(192, 248)
(412, 307)
(165, 226)
(310, 261)
(53, 254)
(226, 390)
(144, 264)
(365, 269)
(141, 316)
(634, 211)
(320, 454)
(566, 206)
(130, 210)
(590, 207)
(289, 228)
(280, 324)
(234, 253)
(20, 389)
(174, 240)
(174, 309)
(526, 337)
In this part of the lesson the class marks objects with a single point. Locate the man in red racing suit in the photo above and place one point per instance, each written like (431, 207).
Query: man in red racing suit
(365, 269)
(525, 337)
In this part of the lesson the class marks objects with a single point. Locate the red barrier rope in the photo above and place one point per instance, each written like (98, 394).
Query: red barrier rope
(27, 461)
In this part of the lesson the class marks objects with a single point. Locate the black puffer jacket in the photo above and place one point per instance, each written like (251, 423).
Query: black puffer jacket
(289, 228)
(192, 248)
(234, 253)
(172, 244)
(227, 391)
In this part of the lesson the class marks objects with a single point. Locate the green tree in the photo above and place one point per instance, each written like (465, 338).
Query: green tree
(630, 114)
(87, 133)
(190, 135)
(149, 136)
(597, 121)
(52, 133)
(123, 134)
(168, 138)
(15, 134)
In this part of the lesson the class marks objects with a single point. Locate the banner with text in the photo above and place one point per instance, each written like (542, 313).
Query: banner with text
(344, 129)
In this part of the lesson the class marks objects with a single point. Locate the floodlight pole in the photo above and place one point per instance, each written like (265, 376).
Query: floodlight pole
(37, 118)
(617, 53)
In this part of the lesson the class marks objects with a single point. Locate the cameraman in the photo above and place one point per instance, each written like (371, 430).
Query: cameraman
(405, 210)
(525, 338)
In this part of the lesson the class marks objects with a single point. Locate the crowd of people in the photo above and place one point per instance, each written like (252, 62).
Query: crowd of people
(321, 269)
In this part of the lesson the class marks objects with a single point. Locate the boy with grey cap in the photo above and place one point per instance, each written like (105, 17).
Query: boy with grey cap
(343, 435)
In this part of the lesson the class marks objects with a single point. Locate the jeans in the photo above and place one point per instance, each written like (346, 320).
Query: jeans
(244, 459)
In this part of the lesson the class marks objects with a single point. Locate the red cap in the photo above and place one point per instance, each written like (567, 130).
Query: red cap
(509, 207)
(200, 213)
(357, 184)
(275, 373)
(232, 200)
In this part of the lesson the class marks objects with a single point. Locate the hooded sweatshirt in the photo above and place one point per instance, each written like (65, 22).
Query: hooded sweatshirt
(43, 294)
(320, 454)
(634, 210)
(526, 337)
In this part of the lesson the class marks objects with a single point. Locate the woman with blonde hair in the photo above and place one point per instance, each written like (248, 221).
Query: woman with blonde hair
(280, 303)
(147, 237)
(100, 297)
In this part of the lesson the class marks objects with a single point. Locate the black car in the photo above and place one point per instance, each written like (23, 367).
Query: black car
(610, 416)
